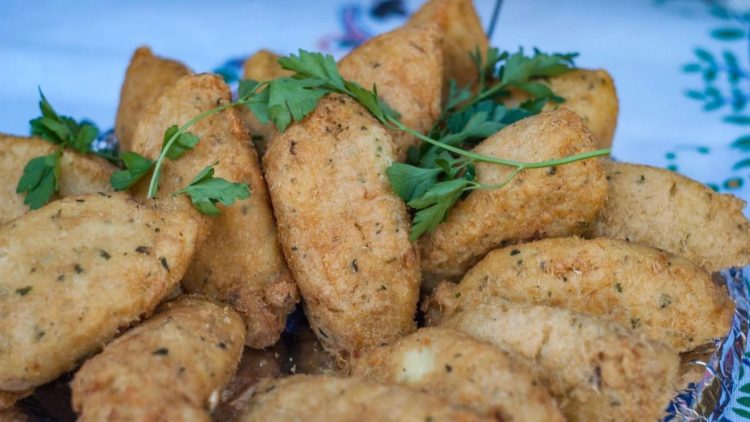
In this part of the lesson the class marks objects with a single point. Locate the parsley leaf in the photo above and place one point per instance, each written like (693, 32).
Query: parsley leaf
(519, 69)
(258, 105)
(63, 130)
(315, 66)
(291, 99)
(411, 182)
(247, 88)
(185, 142)
(40, 180)
(433, 206)
(321, 69)
(205, 191)
(136, 166)
(372, 102)
(456, 95)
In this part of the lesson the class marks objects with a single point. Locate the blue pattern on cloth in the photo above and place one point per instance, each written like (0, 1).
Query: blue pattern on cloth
(681, 67)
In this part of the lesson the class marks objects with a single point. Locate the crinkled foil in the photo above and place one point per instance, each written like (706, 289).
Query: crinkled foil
(709, 398)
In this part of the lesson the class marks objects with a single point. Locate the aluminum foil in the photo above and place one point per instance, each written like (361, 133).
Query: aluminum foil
(710, 398)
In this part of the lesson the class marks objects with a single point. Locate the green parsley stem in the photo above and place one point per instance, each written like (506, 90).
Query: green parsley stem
(494, 160)
(483, 95)
(507, 180)
(154, 183)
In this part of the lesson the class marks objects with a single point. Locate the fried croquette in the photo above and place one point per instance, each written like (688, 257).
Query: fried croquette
(589, 93)
(76, 271)
(537, 203)
(171, 367)
(321, 398)
(597, 369)
(344, 231)
(79, 173)
(665, 296)
(241, 262)
(663, 209)
(465, 372)
(147, 77)
(406, 66)
(462, 32)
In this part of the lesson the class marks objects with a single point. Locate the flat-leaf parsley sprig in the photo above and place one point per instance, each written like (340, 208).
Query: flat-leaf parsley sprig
(41, 175)
(437, 175)
(280, 101)
(433, 185)
(439, 179)
(205, 190)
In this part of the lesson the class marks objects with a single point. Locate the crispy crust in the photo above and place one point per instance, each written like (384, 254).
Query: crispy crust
(665, 210)
(78, 173)
(406, 65)
(666, 297)
(76, 271)
(467, 373)
(536, 204)
(168, 368)
(462, 31)
(324, 398)
(241, 262)
(589, 93)
(146, 78)
(343, 229)
(597, 369)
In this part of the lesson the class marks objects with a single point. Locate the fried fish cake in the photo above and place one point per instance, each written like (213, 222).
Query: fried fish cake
(665, 296)
(325, 398)
(548, 202)
(462, 32)
(589, 93)
(597, 369)
(241, 262)
(406, 66)
(261, 66)
(171, 367)
(663, 209)
(344, 231)
(467, 373)
(146, 78)
(79, 173)
(76, 271)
